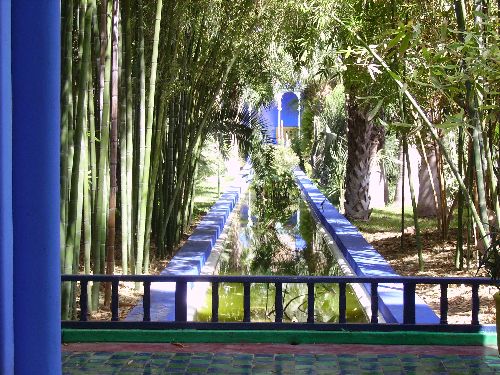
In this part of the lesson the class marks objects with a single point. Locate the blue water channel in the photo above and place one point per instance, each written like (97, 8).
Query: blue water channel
(278, 238)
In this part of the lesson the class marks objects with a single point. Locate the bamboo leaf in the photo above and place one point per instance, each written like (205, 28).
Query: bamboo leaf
(375, 110)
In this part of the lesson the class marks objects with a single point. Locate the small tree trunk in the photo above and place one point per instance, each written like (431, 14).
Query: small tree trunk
(428, 196)
(459, 253)
(414, 205)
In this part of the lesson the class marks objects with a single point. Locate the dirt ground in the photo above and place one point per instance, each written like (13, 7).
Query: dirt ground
(128, 295)
(438, 259)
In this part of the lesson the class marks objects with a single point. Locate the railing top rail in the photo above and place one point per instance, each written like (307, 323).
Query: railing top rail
(285, 279)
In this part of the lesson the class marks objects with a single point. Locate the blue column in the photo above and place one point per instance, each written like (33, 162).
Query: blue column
(6, 310)
(35, 117)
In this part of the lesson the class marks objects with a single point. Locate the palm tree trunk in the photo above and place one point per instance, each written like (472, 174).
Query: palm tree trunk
(362, 144)
(420, 112)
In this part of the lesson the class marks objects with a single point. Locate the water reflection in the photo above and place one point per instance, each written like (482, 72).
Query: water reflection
(278, 239)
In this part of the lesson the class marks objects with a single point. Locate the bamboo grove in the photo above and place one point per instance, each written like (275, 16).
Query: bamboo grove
(144, 83)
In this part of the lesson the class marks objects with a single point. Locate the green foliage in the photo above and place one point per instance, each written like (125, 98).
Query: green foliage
(324, 116)
(333, 114)
(307, 131)
(273, 181)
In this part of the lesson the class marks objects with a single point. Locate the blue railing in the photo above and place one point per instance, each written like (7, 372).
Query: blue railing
(182, 283)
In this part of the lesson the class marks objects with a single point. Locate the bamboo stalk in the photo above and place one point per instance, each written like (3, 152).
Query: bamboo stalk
(143, 194)
(66, 121)
(161, 125)
(472, 105)
(129, 134)
(124, 197)
(99, 244)
(459, 253)
(87, 212)
(142, 139)
(111, 219)
(76, 197)
(195, 140)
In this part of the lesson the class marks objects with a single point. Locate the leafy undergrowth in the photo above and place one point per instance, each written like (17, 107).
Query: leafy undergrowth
(382, 233)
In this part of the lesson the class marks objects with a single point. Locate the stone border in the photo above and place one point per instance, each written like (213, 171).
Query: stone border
(190, 259)
(361, 256)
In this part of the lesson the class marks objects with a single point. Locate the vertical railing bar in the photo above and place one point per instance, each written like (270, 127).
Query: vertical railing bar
(443, 304)
(146, 302)
(180, 301)
(374, 303)
(215, 301)
(342, 302)
(114, 301)
(409, 303)
(310, 302)
(475, 304)
(83, 300)
(246, 302)
(278, 302)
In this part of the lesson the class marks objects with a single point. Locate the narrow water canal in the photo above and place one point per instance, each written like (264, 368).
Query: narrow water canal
(278, 238)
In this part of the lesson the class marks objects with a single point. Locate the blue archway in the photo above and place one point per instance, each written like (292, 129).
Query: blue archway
(282, 115)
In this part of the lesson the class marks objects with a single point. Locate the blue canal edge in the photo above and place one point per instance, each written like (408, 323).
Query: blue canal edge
(361, 256)
(192, 256)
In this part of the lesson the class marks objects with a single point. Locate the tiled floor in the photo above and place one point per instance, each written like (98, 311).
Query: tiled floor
(277, 359)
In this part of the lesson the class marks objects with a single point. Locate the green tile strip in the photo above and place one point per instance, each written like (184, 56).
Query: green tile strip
(222, 363)
(279, 337)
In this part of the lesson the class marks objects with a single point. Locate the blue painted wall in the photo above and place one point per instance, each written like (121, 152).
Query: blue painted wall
(6, 266)
(29, 187)
(36, 131)
(269, 116)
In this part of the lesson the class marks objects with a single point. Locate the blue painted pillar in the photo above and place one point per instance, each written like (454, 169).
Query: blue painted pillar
(6, 270)
(35, 116)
